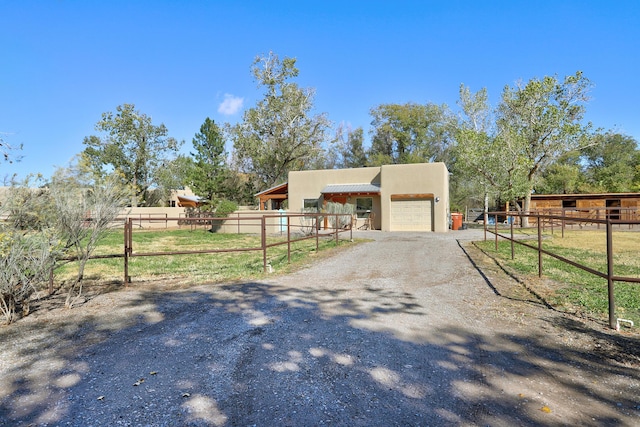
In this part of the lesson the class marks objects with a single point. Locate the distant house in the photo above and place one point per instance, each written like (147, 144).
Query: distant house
(184, 199)
(409, 197)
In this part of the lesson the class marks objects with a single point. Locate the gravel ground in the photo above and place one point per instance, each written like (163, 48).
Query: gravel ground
(408, 329)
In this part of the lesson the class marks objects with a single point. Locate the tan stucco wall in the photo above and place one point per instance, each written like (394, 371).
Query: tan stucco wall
(421, 178)
(309, 184)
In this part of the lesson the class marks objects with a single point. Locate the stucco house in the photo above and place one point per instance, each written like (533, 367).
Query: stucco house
(408, 197)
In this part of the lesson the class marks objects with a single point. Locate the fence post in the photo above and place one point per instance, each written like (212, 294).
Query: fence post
(486, 219)
(351, 228)
(263, 226)
(127, 232)
(336, 225)
(510, 219)
(317, 233)
(539, 246)
(612, 304)
(288, 241)
(495, 226)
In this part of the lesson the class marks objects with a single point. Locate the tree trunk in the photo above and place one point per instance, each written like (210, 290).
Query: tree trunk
(525, 209)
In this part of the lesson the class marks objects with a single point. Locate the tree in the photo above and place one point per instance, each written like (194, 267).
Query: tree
(210, 169)
(479, 153)
(132, 146)
(541, 121)
(279, 134)
(564, 176)
(409, 133)
(351, 151)
(173, 175)
(612, 163)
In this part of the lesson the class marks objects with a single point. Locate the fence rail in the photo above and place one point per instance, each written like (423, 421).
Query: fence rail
(312, 226)
(542, 218)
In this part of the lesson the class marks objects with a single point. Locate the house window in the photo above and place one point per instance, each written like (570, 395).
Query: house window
(310, 205)
(363, 206)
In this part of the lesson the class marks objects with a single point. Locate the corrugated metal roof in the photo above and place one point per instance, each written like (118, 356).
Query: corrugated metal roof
(351, 188)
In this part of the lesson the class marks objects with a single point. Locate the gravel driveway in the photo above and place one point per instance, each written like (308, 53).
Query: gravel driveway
(402, 330)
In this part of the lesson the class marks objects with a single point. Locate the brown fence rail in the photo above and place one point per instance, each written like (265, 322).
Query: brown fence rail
(312, 226)
(548, 219)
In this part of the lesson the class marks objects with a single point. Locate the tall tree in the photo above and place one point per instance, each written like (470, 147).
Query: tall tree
(409, 133)
(280, 133)
(541, 121)
(209, 171)
(349, 149)
(174, 174)
(612, 163)
(133, 146)
(479, 152)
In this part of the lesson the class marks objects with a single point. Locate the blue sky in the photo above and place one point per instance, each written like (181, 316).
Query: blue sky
(66, 62)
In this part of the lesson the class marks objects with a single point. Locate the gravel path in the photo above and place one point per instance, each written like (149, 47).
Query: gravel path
(402, 330)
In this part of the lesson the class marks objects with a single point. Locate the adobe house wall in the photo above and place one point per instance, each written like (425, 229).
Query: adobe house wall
(418, 179)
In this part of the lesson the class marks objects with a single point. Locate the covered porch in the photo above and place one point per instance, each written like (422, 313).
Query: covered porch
(365, 198)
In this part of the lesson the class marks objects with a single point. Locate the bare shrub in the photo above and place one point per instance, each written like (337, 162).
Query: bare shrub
(84, 210)
(339, 208)
(26, 258)
(28, 246)
(308, 223)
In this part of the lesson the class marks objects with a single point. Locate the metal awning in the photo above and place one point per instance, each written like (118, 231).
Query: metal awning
(351, 189)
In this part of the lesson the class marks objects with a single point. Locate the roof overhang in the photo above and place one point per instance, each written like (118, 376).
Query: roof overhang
(281, 189)
(351, 189)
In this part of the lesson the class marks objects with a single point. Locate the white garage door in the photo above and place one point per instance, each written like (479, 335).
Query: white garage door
(411, 215)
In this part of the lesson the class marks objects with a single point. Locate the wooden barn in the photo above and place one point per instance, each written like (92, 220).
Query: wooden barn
(615, 206)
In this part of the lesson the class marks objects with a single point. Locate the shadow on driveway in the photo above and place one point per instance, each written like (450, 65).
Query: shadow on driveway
(262, 354)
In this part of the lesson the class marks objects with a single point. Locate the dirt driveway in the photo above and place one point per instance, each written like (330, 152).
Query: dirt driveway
(403, 330)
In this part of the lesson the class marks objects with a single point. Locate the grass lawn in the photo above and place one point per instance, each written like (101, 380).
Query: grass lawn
(194, 268)
(573, 289)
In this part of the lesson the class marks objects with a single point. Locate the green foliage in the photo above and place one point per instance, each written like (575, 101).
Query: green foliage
(28, 205)
(534, 126)
(279, 134)
(226, 207)
(409, 133)
(565, 176)
(209, 171)
(132, 146)
(352, 152)
(612, 163)
(174, 175)
(541, 121)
